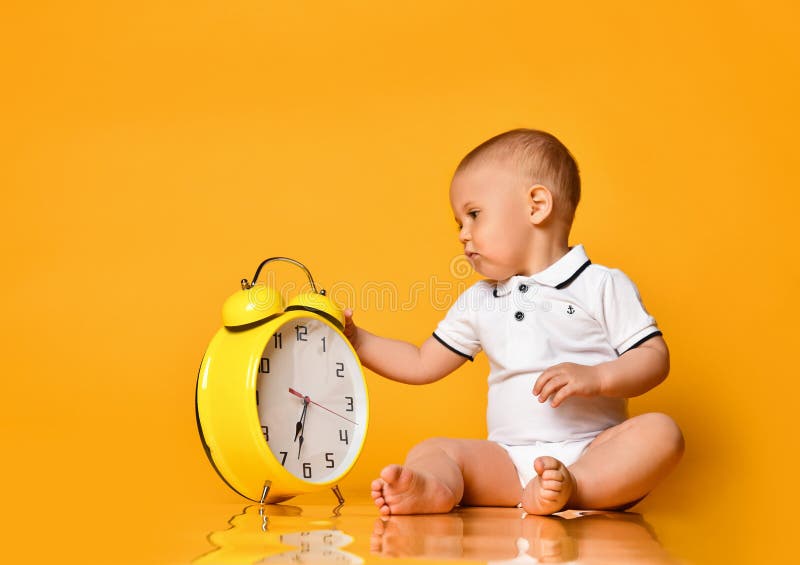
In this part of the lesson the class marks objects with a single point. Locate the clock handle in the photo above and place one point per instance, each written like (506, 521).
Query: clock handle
(246, 285)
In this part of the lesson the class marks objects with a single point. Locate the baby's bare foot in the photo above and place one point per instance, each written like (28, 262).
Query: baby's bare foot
(401, 490)
(550, 491)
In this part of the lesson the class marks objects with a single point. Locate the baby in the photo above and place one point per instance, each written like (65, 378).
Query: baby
(568, 341)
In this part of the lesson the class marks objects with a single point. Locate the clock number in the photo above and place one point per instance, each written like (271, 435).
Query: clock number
(344, 436)
(329, 459)
(283, 457)
(265, 365)
(265, 431)
(278, 341)
(302, 332)
(349, 400)
(306, 470)
(323, 345)
(340, 370)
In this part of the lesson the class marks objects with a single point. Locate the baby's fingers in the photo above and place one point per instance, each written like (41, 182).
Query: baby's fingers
(564, 392)
(350, 328)
(550, 388)
(349, 324)
(542, 381)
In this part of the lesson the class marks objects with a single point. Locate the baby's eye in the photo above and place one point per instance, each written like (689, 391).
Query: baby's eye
(473, 214)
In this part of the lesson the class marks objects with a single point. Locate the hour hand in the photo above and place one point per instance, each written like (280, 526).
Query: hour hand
(298, 429)
(301, 427)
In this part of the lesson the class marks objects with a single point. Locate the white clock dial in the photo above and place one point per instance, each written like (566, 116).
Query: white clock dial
(311, 400)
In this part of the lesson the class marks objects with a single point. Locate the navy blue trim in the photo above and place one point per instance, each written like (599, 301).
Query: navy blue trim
(451, 348)
(251, 325)
(319, 312)
(574, 276)
(641, 341)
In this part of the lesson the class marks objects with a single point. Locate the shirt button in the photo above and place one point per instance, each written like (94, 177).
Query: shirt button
(519, 315)
(523, 288)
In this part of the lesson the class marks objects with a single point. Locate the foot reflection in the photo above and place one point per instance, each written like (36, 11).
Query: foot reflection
(503, 535)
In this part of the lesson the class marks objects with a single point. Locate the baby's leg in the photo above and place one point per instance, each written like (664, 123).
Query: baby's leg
(440, 473)
(626, 462)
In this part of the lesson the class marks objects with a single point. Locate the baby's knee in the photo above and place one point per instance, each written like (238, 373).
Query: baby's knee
(434, 443)
(665, 432)
(448, 445)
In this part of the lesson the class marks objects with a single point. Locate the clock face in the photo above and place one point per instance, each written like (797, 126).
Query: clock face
(311, 400)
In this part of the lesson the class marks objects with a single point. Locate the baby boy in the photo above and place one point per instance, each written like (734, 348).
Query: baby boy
(568, 342)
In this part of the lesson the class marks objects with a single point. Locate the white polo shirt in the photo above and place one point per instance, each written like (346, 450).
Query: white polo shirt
(573, 311)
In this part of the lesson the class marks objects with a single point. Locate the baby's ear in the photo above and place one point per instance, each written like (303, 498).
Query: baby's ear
(540, 200)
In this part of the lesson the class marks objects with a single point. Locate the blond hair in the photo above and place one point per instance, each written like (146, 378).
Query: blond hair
(540, 158)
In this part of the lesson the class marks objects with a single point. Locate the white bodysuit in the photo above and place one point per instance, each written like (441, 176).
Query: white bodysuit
(573, 311)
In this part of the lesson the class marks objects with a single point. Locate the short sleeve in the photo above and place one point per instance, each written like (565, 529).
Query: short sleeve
(458, 330)
(627, 323)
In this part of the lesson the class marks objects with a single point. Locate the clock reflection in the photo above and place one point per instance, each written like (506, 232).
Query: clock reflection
(315, 546)
(269, 534)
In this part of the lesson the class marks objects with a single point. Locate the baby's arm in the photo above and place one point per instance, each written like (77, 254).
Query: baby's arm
(399, 360)
(636, 371)
(633, 373)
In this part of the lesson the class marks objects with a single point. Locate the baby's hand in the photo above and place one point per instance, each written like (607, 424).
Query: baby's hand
(567, 379)
(350, 328)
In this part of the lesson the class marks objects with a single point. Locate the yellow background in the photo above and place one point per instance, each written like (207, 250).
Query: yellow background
(153, 153)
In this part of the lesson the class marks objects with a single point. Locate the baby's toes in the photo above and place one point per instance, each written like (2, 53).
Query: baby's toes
(546, 494)
(552, 475)
(551, 486)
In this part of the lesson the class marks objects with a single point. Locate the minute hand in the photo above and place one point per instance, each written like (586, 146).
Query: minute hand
(294, 392)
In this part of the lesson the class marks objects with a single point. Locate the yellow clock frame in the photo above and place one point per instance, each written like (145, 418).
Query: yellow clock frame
(225, 400)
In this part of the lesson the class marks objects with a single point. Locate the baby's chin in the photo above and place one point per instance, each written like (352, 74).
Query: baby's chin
(489, 271)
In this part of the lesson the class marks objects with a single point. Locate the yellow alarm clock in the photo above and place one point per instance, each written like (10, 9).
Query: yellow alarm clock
(281, 403)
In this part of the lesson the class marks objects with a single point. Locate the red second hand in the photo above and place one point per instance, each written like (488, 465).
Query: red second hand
(307, 399)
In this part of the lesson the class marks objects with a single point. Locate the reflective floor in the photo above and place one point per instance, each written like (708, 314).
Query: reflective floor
(287, 533)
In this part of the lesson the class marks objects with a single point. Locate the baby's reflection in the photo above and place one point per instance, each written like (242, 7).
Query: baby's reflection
(501, 535)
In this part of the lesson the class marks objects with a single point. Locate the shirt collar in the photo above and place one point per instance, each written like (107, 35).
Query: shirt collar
(558, 275)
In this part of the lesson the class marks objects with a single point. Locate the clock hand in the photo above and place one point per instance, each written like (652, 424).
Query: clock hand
(300, 445)
(306, 398)
(301, 425)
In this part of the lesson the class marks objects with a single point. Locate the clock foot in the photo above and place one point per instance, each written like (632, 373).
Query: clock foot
(265, 492)
(340, 498)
